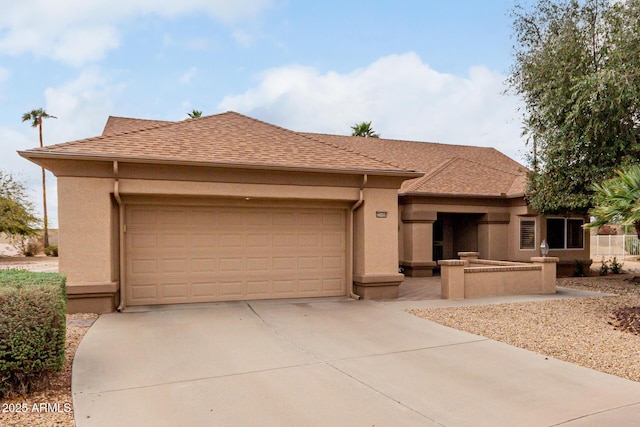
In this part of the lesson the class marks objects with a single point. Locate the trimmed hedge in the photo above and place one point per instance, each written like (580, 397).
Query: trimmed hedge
(32, 328)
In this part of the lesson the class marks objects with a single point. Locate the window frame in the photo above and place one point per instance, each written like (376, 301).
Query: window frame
(565, 232)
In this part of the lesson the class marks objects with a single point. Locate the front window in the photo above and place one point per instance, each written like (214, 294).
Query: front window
(527, 234)
(565, 233)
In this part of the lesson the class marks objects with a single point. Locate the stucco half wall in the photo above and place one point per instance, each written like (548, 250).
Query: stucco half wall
(93, 196)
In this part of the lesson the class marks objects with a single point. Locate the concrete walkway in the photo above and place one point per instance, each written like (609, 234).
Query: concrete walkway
(329, 362)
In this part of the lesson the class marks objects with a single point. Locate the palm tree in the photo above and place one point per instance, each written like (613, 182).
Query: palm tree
(364, 129)
(36, 116)
(194, 114)
(617, 200)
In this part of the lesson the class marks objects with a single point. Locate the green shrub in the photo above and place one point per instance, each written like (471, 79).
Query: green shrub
(51, 250)
(32, 328)
(580, 269)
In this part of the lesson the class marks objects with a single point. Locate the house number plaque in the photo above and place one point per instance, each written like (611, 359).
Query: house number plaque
(381, 214)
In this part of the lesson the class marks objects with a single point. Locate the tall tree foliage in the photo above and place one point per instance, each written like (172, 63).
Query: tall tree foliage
(36, 117)
(577, 68)
(194, 114)
(364, 129)
(16, 210)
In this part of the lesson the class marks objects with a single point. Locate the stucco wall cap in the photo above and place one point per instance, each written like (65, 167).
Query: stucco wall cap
(452, 262)
(545, 259)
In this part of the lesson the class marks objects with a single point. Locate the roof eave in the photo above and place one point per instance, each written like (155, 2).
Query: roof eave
(462, 195)
(34, 156)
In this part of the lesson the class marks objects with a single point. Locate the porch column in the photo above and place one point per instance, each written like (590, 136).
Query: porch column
(493, 236)
(418, 241)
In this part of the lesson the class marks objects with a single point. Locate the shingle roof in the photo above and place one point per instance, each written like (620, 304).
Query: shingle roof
(117, 125)
(450, 169)
(231, 138)
(227, 139)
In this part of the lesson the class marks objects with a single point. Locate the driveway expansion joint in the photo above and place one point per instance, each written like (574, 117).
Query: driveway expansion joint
(604, 411)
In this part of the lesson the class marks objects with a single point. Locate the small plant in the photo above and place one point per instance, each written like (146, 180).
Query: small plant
(615, 266)
(604, 267)
(610, 266)
(28, 245)
(51, 250)
(580, 269)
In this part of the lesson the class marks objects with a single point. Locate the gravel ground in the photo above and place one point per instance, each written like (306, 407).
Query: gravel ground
(579, 331)
(52, 406)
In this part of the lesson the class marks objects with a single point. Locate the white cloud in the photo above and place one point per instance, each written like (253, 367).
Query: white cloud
(403, 96)
(80, 31)
(242, 37)
(80, 105)
(188, 75)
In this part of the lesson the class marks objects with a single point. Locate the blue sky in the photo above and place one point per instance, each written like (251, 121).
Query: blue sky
(420, 70)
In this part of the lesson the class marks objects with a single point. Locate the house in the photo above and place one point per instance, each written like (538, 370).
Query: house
(227, 207)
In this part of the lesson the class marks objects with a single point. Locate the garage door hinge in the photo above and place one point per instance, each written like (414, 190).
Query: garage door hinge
(124, 228)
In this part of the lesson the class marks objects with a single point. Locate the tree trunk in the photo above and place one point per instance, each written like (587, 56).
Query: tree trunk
(44, 195)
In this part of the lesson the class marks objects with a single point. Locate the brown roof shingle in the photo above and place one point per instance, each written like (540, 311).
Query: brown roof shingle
(116, 125)
(227, 139)
(450, 169)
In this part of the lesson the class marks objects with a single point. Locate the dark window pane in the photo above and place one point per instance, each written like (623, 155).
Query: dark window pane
(555, 233)
(575, 234)
(527, 234)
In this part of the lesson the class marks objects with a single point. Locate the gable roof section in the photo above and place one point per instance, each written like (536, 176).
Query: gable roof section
(117, 125)
(228, 139)
(450, 169)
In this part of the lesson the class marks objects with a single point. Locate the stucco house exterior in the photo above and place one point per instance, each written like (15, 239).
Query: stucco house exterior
(227, 207)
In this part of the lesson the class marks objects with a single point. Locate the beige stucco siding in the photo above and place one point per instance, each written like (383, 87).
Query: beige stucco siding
(377, 248)
(86, 224)
(222, 189)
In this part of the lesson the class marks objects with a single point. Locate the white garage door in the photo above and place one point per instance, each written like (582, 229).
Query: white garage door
(179, 254)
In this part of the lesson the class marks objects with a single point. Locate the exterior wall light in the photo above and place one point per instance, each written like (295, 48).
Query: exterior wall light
(544, 248)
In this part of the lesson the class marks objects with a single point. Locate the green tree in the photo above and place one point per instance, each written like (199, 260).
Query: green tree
(617, 200)
(16, 211)
(576, 68)
(364, 129)
(36, 117)
(194, 114)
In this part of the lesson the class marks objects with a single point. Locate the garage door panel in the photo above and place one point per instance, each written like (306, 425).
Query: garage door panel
(143, 240)
(198, 254)
(309, 262)
(203, 265)
(333, 219)
(172, 241)
(168, 265)
(259, 288)
(332, 284)
(232, 289)
(171, 217)
(262, 264)
(258, 240)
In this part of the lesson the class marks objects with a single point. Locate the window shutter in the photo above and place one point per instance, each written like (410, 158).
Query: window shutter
(527, 234)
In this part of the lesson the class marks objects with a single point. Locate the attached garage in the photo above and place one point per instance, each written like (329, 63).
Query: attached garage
(220, 208)
(179, 254)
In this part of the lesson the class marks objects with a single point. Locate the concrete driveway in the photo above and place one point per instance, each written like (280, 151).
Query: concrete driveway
(330, 362)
